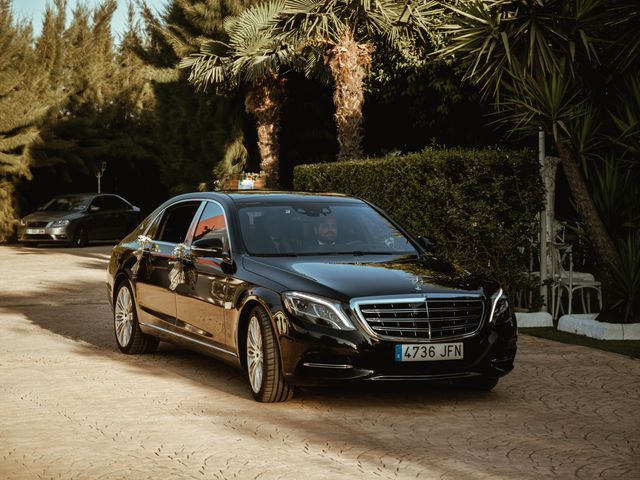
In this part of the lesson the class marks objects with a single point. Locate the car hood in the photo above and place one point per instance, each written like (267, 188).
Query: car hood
(347, 277)
(42, 216)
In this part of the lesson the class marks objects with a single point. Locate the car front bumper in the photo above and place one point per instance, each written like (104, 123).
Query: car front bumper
(313, 358)
(28, 234)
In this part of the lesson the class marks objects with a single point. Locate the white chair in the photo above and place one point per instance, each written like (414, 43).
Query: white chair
(570, 282)
(524, 297)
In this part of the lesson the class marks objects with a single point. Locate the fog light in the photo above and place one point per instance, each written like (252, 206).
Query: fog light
(337, 366)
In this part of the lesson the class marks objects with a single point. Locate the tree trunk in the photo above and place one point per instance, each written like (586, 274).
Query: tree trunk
(348, 61)
(603, 246)
(264, 101)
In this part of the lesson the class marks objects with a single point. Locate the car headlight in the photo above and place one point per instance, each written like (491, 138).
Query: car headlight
(318, 310)
(22, 222)
(499, 306)
(59, 223)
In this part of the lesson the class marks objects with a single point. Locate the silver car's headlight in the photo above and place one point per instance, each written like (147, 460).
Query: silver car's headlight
(321, 311)
(22, 222)
(59, 223)
(499, 306)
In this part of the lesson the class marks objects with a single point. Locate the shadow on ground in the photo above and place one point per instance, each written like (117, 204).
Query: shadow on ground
(423, 426)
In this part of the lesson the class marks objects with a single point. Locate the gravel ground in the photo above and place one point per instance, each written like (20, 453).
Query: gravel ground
(74, 407)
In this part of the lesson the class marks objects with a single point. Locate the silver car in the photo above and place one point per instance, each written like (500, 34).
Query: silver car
(78, 219)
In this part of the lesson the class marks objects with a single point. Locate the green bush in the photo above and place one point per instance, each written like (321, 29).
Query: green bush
(479, 205)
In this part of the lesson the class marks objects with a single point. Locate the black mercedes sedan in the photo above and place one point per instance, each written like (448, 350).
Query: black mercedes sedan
(302, 290)
(78, 219)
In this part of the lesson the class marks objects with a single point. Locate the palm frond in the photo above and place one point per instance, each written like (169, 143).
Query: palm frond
(626, 117)
(550, 102)
(251, 53)
(546, 37)
(209, 66)
(278, 34)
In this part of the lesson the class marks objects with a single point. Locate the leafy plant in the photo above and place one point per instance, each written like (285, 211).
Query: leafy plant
(616, 194)
(550, 64)
(625, 291)
(25, 97)
(479, 205)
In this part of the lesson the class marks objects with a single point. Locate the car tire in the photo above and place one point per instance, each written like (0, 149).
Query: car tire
(129, 337)
(481, 384)
(263, 360)
(81, 237)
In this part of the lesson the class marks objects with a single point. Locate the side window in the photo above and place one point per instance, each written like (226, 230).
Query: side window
(155, 226)
(114, 203)
(144, 226)
(212, 225)
(175, 222)
(98, 202)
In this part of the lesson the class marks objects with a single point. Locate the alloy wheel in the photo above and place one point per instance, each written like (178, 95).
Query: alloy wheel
(255, 354)
(81, 238)
(123, 317)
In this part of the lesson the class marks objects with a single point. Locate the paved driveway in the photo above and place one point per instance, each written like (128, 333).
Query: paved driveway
(74, 407)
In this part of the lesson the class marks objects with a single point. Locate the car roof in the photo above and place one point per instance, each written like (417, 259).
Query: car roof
(86, 195)
(76, 195)
(263, 196)
(266, 196)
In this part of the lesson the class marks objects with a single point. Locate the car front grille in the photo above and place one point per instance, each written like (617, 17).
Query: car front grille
(38, 237)
(37, 224)
(430, 318)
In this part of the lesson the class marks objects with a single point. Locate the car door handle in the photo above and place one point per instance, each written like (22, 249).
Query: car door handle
(185, 262)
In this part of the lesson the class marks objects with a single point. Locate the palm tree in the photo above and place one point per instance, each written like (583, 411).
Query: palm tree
(344, 30)
(216, 144)
(302, 34)
(254, 59)
(538, 60)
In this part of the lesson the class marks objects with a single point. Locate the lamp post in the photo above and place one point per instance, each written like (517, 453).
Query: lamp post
(100, 173)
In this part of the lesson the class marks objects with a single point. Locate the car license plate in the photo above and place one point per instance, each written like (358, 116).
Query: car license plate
(35, 231)
(429, 352)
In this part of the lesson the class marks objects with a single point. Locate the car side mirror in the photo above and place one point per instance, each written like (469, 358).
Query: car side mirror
(427, 243)
(210, 244)
(212, 247)
(94, 208)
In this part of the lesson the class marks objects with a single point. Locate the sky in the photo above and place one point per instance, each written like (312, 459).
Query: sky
(34, 10)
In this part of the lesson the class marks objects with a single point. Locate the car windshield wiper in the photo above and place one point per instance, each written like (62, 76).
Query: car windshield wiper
(357, 253)
(361, 253)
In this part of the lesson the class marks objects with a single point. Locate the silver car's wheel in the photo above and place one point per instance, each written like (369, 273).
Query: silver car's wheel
(263, 359)
(81, 237)
(123, 317)
(129, 337)
(255, 355)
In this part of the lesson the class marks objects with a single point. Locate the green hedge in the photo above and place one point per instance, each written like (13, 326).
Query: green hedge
(479, 205)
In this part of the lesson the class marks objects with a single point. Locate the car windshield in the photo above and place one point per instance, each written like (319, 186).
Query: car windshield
(66, 204)
(320, 228)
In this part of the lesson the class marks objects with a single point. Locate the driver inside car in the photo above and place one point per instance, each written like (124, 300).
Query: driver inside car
(326, 231)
